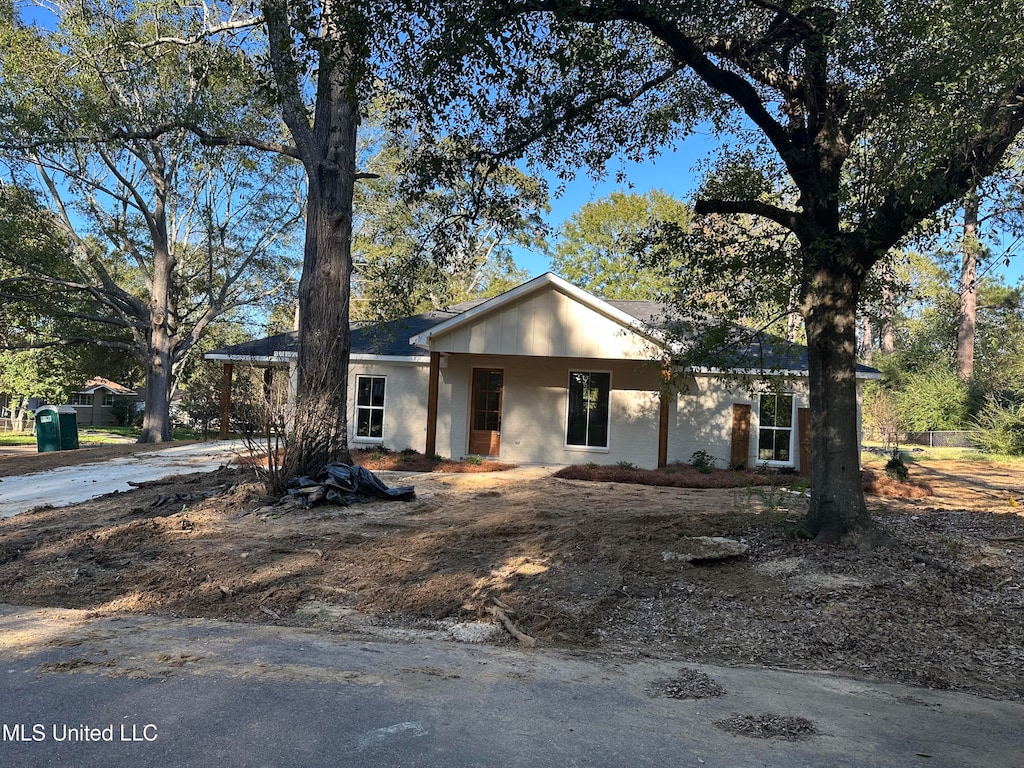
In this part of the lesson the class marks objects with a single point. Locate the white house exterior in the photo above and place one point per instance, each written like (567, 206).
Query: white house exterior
(548, 373)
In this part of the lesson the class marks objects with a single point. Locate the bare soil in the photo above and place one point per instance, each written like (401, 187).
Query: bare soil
(585, 566)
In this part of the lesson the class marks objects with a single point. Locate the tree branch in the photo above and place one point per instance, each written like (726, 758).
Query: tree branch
(791, 220)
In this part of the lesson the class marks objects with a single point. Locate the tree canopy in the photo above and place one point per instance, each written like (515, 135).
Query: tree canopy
(165, 233)
(602, 247)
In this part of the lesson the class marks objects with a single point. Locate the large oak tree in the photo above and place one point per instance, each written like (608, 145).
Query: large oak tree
(871, 115)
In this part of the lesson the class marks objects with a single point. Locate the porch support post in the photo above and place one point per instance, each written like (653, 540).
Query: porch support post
(225, 399)
(432, 386)
(663, 416)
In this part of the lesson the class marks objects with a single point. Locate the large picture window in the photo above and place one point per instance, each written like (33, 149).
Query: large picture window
(775, 430)
(588, 409)
(370, 407)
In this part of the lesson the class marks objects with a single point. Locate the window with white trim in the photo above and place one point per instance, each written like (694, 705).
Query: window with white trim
(589, 395)
(775, 429)
(108, 399)
(81, 398)
(370, 407)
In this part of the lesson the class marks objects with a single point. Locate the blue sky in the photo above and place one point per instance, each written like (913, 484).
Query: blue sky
(673, 172)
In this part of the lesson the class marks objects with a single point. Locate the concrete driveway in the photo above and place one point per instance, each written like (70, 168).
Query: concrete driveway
(71, 485)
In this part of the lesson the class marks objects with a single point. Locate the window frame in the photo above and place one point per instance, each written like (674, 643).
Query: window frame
(88, 398)
(791, 461)
(108, 396)
(382, 409)
(606, 448)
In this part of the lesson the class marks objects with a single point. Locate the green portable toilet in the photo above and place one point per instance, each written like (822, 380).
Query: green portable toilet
(67, 419)
(47, 429)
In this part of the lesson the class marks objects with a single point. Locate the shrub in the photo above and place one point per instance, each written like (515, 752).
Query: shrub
(1000, 428)
(895, 468)
(934, 400)
(703, 462)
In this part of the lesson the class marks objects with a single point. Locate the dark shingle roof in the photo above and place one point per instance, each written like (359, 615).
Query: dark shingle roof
(390, 339)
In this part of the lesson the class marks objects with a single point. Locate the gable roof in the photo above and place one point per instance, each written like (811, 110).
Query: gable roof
(615, 311)
(409, 338)
(98, 382)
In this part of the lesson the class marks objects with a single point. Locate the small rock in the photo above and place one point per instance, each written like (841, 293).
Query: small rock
(476, 632)
(703, 548)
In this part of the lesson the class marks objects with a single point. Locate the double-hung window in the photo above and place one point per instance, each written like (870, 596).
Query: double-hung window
(370, 407)
(81, 398)
(589, 395)
(775, 429)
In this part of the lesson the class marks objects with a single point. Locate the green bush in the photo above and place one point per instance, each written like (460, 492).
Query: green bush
(703, 462)
(1000, 428)
(936, 399)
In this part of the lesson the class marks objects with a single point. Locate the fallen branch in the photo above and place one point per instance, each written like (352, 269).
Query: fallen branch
(510, 627)
(399, 557)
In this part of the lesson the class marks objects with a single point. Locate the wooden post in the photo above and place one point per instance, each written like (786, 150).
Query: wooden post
(663, 419)
(225, 399)
(432, 386)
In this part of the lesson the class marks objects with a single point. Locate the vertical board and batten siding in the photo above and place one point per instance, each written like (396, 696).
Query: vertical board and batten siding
(546, 324)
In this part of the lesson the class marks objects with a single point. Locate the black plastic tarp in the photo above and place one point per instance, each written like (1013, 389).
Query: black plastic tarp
(342, 484)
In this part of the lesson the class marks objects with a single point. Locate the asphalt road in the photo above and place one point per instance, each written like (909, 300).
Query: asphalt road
(142, 691)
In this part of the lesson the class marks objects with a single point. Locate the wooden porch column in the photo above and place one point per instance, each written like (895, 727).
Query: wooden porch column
(663, 419)
(432, 386)
(225, 399)
(664, 394)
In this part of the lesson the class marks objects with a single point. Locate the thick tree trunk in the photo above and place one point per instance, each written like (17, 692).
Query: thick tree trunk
(867, 339)
(968, 289)
(888, 342)
(837, 511)
(321, 420)
(156, 421)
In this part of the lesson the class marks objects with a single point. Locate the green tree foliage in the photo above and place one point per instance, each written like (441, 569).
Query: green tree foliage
(165, 233)
(606, 247)
(1000, 427)
(426, 239)
(934, 399)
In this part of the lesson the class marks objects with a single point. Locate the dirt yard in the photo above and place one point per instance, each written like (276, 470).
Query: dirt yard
(597, 568)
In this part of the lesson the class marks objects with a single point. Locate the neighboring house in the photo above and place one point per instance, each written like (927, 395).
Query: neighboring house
(548, 373)
(94, 402)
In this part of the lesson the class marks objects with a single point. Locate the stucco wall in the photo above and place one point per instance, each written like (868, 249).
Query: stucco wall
(534, 409)
(702, 419)
(405, 404)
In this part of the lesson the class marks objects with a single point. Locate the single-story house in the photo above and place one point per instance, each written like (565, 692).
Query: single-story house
(549, 373)
(94, 402)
